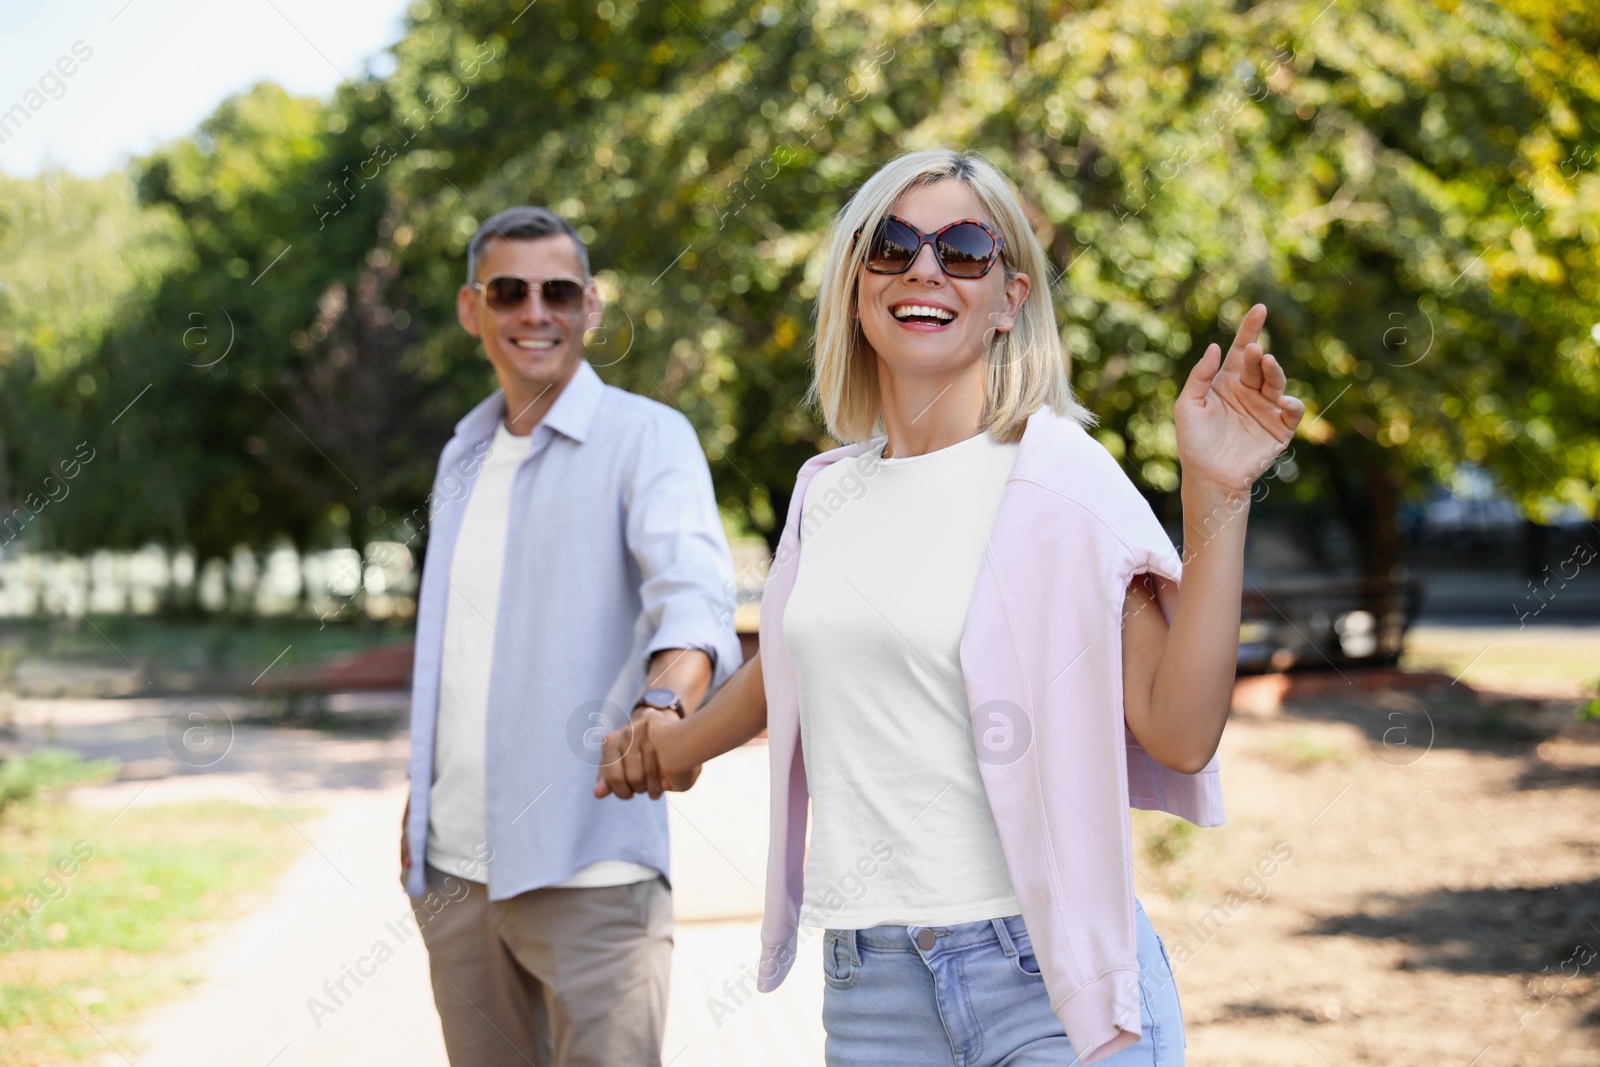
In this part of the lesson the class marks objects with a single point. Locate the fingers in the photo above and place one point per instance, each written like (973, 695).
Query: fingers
(1260, 372)
(632, 762)
(652, 763)
(611, 768)
(614, 769)
(1292, 410)
(1273, 380)
(1249, 333)
(1201, 375)
(629, 762)
(604, 784)
(1251, 374)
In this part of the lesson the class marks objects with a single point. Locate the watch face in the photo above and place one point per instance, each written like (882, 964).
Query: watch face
(660, 698)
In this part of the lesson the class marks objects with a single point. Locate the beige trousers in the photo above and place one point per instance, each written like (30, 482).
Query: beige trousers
(549, 978)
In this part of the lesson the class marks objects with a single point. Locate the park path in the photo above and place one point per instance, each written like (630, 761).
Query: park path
(270, 995)
(1406, 876)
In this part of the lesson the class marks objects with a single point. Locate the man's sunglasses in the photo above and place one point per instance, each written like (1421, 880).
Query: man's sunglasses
(506, 292)
(966, 248)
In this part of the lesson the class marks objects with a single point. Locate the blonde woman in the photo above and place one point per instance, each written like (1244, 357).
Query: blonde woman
(974, 654)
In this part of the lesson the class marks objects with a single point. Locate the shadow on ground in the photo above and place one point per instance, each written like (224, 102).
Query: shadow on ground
(1519, 930)
(1402, 726)
(360, 746)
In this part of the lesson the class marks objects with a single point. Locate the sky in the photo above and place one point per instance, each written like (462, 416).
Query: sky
(147, 71)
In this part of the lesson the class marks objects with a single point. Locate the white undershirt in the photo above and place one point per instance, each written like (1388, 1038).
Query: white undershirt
(890, 554)
(457, 833)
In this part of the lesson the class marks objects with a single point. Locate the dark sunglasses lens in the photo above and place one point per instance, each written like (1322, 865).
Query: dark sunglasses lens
(561, 294)
(965, 250)
(894, 246)
(505, 293)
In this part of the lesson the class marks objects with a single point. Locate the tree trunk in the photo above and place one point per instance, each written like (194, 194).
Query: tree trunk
(1381, 550)
(1369, 510)
(1535, 549)
(780, 510)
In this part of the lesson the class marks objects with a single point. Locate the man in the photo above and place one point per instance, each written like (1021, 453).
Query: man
(576, 568)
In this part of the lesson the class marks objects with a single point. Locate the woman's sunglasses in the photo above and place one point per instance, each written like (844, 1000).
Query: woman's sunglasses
(506, 292)
(965, 249)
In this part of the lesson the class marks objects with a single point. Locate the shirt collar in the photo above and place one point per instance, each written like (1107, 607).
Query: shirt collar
(572, 414)
(573, 411)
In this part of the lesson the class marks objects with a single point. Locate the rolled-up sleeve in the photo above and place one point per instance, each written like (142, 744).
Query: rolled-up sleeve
(675, 535)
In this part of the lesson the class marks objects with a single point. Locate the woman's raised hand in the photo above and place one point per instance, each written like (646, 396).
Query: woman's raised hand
(1233, 417)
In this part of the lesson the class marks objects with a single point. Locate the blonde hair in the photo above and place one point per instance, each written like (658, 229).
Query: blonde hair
(1026, 367)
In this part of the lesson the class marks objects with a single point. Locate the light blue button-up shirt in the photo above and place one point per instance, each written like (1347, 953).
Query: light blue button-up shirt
(614, 551)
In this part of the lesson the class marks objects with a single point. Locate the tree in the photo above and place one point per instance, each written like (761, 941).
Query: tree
(1410, 186)
(1349, 165)
(78, 253)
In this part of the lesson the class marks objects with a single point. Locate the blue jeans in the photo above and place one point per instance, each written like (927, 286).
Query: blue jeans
(974, 999)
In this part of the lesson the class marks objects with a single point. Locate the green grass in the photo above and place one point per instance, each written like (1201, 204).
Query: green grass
(95, 914)
(23, 778)
(1172, 855)
(203, 644)
(1166, 839)
(1538, 660)
(1301, 751)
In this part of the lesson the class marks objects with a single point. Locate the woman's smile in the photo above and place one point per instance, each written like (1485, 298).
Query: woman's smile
(923, 316)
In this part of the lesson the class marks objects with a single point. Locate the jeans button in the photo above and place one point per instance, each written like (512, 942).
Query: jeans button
(925, 939)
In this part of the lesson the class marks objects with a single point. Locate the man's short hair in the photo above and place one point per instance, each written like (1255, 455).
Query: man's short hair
(523, 224)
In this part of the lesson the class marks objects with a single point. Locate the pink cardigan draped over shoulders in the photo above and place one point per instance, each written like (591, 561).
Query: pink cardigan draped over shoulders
(1041, 658)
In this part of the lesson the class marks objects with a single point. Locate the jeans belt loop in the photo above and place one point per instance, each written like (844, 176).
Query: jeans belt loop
(1008, 946)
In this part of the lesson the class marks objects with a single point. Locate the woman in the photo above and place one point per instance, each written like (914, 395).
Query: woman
(965, 678)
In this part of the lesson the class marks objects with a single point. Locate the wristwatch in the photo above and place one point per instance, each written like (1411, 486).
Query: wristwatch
(663, 700)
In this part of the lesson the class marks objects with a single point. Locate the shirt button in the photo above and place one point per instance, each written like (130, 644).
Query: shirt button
(925, 939)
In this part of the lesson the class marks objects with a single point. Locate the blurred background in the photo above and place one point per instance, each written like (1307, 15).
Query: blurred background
(230, 237)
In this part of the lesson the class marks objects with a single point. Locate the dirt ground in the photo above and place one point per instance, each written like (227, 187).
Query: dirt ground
(1405, 877)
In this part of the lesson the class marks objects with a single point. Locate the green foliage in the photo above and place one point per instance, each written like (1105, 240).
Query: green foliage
(24, 778)
(75, 252)
(1349, 165)
(1411, 187)
(78, 257)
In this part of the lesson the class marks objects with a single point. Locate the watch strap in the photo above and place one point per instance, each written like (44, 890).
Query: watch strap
(662, 699)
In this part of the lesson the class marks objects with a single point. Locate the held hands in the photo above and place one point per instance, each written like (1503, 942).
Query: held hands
(637, 758)
(1233, 417)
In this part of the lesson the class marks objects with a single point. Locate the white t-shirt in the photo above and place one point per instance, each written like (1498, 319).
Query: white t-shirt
(457, 831)
(888, 563)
